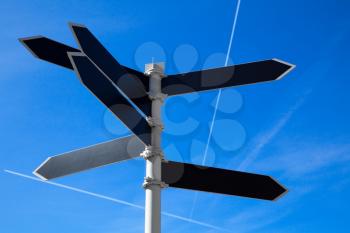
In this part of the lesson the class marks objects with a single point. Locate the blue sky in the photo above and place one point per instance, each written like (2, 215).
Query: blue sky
(295, 129)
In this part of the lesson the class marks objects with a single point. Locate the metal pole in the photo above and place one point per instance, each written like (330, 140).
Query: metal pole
(153, 154)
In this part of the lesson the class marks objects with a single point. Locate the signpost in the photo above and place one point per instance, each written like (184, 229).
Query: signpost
(136, 99)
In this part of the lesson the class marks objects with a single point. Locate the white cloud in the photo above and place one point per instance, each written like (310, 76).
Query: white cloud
(266, 137)
(258, 217)
(309, 159)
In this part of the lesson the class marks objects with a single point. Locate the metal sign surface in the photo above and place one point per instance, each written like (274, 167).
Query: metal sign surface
(223, 77)
(90, 157)
(216, 180)
(106, 92)
(134, 86)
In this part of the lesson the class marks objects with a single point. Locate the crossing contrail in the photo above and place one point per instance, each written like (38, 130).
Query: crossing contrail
(115, 200)
(217, 98)
(219, 92)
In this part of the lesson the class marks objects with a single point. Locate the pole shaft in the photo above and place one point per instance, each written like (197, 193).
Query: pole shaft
(153, 162)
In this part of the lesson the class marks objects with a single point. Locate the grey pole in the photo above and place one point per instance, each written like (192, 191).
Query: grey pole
(153, 154)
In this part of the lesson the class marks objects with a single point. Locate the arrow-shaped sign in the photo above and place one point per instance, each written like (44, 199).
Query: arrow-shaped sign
(49, 50)
(134, 86)
(90, 157)
(249, 73)
(133, 83)
(216, 180)
(100, 85)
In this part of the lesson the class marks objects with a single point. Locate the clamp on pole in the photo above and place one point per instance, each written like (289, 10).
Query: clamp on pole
(148, 182)
(155, 122)
(150, 152)
(160, 96)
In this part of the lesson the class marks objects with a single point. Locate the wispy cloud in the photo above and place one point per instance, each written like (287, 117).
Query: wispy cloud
(258, 217)
(266, 137)
(308, 160)
(311, 161)
(304, 171)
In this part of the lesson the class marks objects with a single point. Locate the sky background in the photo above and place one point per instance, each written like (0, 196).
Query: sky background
(295, 129)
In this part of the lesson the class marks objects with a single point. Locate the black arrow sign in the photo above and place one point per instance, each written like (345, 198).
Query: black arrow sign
(49, 50)
(229, 76)
(133, 83)
(109, 95)
(134, 86)
(216, 180)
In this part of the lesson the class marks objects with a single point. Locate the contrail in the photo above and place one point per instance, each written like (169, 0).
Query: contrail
(219, 92)
(217, 99)
(194, 221)
(114, 200)
(75, 189)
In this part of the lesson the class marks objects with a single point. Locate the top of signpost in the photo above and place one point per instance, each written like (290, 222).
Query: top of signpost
(154, 68)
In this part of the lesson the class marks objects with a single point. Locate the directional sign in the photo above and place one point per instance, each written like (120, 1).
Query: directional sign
(90, 157)
(229, 76)
(134, 86)
(49, 50)
(133, 83)
(57, 53)
(108, 94)
(216, 180)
